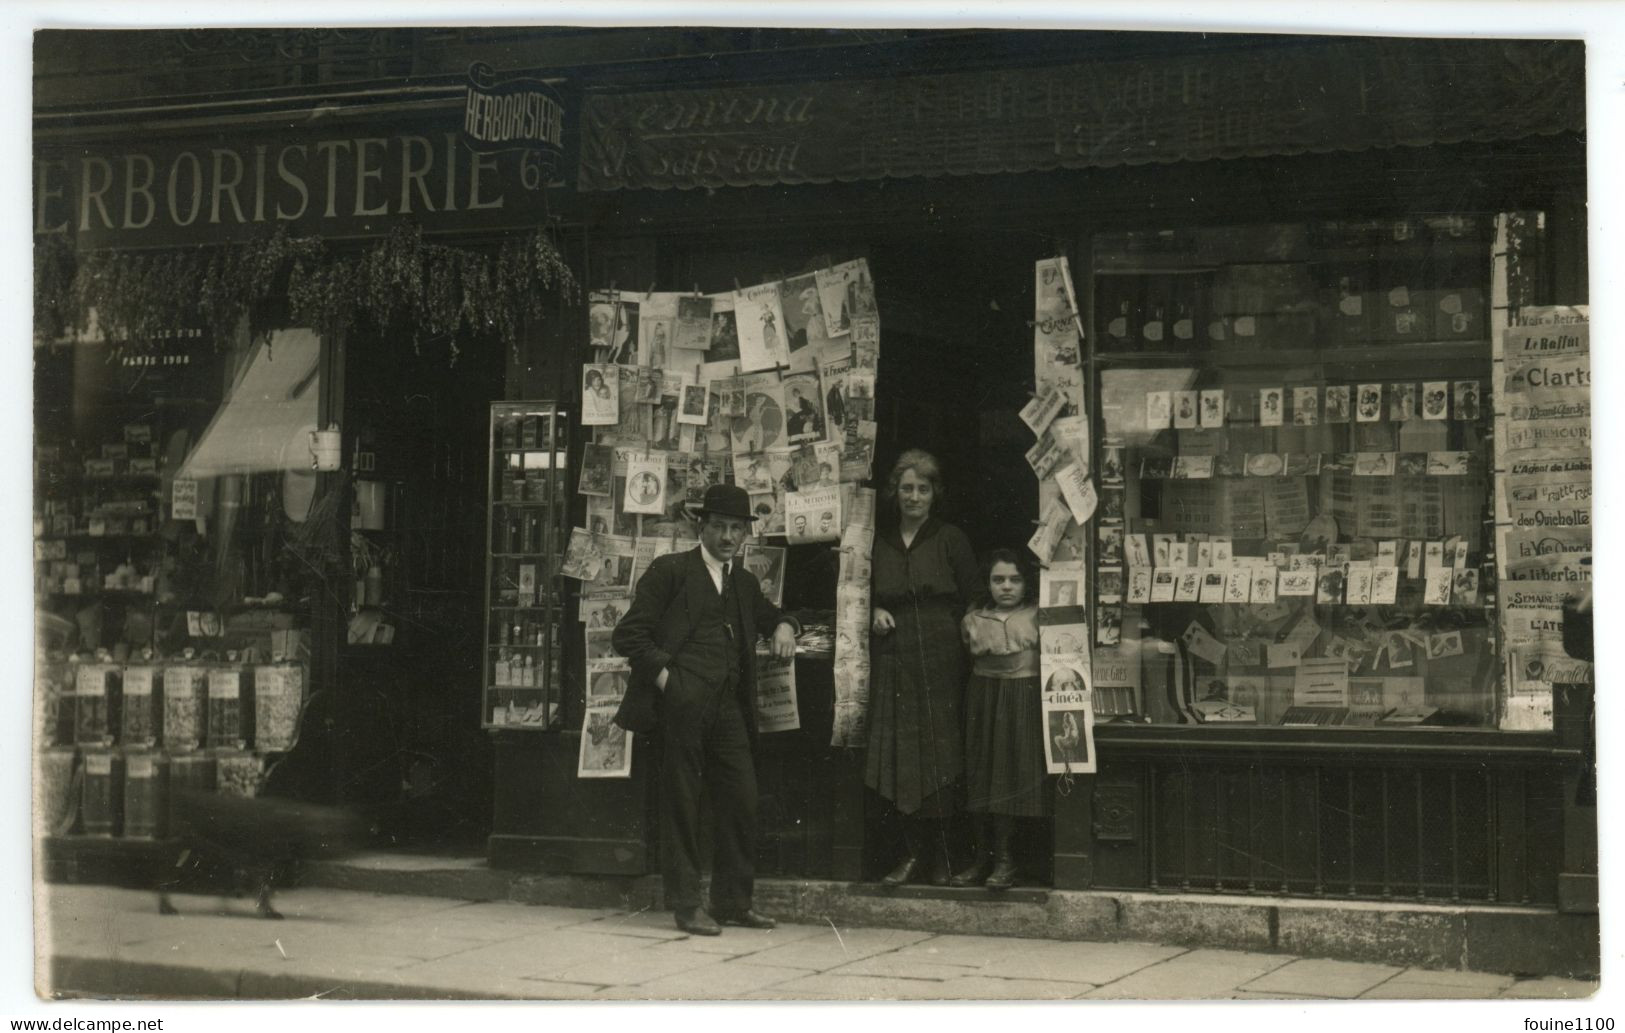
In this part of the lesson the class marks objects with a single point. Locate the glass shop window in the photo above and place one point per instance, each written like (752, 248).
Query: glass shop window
(1296, 524)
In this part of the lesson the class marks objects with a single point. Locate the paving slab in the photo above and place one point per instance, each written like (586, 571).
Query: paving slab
(1553, 988)
(712, 982)
(832, 948)
(736, 942)
(488, 920)
(1078, 962)
(993, 988)
(638, 966)
(892, 965)
(539, 956)
(863, 988)
(1196, 975)
(1314, 977)
(649, 925)
(1432, 983)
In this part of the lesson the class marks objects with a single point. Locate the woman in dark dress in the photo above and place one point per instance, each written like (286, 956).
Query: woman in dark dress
(925, 575)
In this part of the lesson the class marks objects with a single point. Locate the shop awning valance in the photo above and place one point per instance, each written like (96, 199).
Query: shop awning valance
(1301, 96)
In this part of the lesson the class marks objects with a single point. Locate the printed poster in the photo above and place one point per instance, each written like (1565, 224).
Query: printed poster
(583, 557)
(813, 515)
(834, 363)
(803, 315)
(776, 709)
(606, 748)
(846, 294)
(759, 319)
(1038, 413)
(645, 485)
(692, 329)
(600, 395)
(657, 323)
(1068, 718)
(762, 425)
(1055, 321)
(724, 330)
(1558, 426)
(804, 418)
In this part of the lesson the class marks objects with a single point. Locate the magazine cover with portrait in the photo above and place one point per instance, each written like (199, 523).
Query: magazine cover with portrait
(606, 748)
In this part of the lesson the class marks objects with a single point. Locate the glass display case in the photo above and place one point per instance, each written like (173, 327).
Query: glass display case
(527, 528)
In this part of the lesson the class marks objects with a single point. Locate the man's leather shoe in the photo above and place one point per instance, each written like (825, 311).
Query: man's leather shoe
(746, 919)
(696, 922)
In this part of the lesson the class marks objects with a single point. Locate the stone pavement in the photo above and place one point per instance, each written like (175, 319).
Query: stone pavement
(102, 941)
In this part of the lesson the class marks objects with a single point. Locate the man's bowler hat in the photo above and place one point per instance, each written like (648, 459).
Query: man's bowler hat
(726, 500)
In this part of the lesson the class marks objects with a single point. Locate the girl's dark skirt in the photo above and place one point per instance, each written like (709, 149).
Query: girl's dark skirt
(1004, 748)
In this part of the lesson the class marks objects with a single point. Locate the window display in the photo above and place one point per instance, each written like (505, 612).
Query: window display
(1295, 522)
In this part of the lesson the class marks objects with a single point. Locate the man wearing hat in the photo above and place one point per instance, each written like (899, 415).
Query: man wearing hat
(690, 636)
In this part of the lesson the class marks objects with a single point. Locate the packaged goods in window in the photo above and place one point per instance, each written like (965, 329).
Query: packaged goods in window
(279, 691)
(226, 716)
(239, 774)
(141, 715)
(185, 694)
(102, 799)
(146, 795)
(94, 696)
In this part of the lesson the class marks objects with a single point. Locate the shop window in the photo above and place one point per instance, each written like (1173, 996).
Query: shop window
(1296, 526)
(174, 530)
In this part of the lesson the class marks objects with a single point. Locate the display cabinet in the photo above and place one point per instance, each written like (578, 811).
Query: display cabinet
(527, 527)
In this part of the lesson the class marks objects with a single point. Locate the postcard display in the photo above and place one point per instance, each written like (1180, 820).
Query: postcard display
(1309, 550)
(1067, 504)
(1543, 501)
(771, 388)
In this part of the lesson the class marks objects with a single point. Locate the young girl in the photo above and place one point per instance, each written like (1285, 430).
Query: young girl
(1004, 750)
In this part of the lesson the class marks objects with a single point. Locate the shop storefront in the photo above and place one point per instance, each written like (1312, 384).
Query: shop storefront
(1337, 502)
(264, 358)
(1331, 277)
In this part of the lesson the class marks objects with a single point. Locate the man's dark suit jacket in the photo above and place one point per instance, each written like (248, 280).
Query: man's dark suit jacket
(671, 594)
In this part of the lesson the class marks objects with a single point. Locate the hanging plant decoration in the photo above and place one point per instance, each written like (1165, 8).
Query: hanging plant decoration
(402, 284)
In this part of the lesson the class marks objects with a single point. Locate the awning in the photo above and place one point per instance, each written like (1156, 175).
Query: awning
(266, 420)
(1297, 96)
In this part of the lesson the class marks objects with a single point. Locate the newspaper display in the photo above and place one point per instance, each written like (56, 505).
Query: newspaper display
(1068, 503)
(771, 388)
(606, 747)
(776, 708)
(1542, 502)
(852, 613)
(813, 515)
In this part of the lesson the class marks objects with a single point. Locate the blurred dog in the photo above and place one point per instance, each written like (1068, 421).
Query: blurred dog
(259, 842)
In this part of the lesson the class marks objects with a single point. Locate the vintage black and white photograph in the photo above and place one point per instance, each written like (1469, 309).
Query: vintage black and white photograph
(407, 389)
